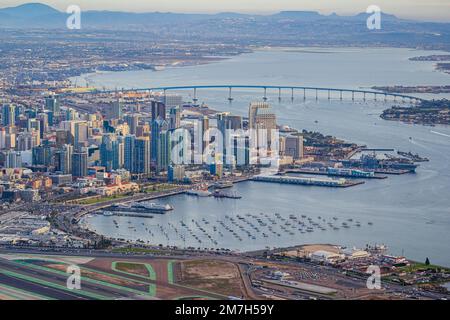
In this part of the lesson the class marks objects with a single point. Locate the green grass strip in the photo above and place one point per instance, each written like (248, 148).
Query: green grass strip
(170, 276)
(151, 272)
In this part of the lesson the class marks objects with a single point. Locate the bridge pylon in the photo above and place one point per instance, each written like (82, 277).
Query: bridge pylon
(230, 98)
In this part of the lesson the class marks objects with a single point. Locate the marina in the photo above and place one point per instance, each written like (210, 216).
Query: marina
(214, 232)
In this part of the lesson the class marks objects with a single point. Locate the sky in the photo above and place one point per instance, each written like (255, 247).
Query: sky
(437, 10)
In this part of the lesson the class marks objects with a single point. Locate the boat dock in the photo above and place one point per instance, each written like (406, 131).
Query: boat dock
(320, 182)
(328, 173)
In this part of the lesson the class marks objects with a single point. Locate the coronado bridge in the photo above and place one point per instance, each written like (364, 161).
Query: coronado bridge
(305, 92)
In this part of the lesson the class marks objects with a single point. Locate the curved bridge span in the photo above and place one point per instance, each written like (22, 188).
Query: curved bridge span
(291, 89)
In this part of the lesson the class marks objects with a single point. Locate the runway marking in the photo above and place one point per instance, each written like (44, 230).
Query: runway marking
(440, 133)
(50, 284)
(87, 279)
(26, 295)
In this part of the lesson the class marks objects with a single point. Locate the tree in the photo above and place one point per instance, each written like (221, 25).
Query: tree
(427, 262)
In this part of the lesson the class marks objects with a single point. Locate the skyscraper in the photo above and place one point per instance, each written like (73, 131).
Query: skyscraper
(130, 141)
(137, 154)
(79, 164)
(158, 126)
(294, 147)
(13, 159)
(52, 104)
(226, 122)
(81, 133)
(174, 118)
(111, 152)
(63, 159)
(9, 115)
(133, 121)
(142, 155)
(116, 110)
(158, 111)
(42, 155)
(163, 151)
(261, 117)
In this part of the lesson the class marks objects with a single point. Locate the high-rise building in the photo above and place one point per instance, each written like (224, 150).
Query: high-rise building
(27, 140)
(137, 154)
(79, 164)
(158, 111)
(294, 147)
(63, 137)
(116, 111)
(34, 124)
(43, 123)
(111, 152)
(205, 128)
(2, 138)
(13, 159)
(158, 126)
(174, 118)
(260, 116)
(142, 155)
(42, 155)
(163, 151)
(71, 114)
(133, 121)
(130, 141)
(8, 115)
(81, 133)
(175, 173)
(226, 122)
(52, 104)
(63, 159)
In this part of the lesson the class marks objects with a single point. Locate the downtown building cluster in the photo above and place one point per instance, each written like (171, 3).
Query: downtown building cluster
(52, 147)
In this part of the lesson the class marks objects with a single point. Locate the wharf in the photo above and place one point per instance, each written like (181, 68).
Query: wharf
(325, 173)
(324, 182)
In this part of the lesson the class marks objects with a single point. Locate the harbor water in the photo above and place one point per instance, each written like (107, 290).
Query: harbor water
(409, 213)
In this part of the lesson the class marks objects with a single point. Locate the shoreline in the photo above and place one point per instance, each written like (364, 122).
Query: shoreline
(292, 49)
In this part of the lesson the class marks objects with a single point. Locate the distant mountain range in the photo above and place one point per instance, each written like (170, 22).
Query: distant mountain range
(37, 15)
(283, 28)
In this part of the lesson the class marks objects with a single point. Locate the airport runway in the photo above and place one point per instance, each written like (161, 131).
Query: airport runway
(53, 285)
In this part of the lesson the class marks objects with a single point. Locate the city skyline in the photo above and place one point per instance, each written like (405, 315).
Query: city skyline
(437, 10)
(289, 150)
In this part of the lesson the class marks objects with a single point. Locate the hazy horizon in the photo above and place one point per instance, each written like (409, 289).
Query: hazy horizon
(437, 10)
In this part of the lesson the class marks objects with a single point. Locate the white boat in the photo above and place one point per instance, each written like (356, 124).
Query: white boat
(152, 207)
(108, 213)
(159, 68)
(199, 193)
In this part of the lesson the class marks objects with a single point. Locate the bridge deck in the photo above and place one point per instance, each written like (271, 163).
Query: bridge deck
(264, 87)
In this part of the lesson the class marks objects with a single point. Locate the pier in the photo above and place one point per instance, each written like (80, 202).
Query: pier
(328, 173)
(324, 182)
